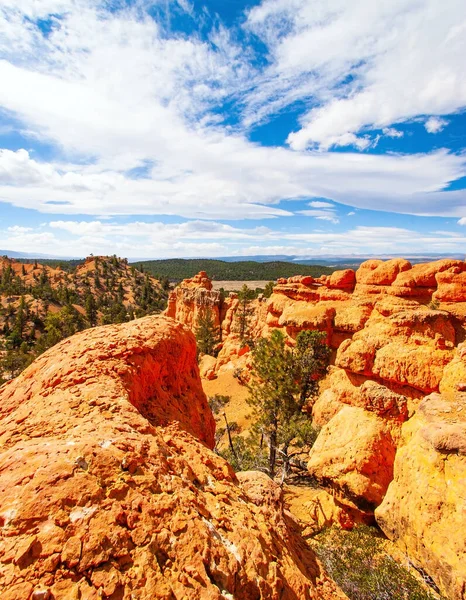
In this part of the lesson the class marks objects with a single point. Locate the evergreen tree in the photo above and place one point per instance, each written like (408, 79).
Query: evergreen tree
(207, 333)
(91, 309)
(268, 290)
(59, 326)
(17, 335)
(243, 314)
(283, 381)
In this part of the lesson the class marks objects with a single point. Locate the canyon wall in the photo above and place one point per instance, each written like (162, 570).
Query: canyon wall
(393, 432)
(109, 489)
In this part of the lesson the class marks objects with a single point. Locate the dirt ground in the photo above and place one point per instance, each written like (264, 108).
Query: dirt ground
(237, 410)
(232, 286)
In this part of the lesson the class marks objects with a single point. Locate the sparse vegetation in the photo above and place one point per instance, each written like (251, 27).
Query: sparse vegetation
(359, 563)
(244, 312)
(39, 306)
(207, 333)
(434, 304)
(283, 381)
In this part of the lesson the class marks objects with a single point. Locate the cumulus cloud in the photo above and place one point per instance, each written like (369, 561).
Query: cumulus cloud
(435, 124)
(392, 132)
(133, 113)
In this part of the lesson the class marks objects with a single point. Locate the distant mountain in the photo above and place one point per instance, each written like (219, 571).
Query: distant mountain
(13, 254)
(331, 260)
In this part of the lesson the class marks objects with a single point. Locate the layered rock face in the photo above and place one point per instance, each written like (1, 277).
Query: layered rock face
(194, 297)
(108, 487)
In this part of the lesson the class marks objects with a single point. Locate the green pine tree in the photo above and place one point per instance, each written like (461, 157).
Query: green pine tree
(207, 333)
(243, 314)
(91, 309)
(283, 381)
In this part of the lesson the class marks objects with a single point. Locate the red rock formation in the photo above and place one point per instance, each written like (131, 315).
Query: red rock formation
(382, 445)
(451, 285)
(192, 298)
(106, 490)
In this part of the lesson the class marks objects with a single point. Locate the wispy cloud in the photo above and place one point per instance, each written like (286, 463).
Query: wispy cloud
(360, 64)
(133, 114)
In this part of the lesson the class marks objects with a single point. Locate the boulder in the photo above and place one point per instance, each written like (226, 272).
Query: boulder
(451, 285)
(421, 279)
(378, 272)
(342, 280)
(354, 455)
(420, 367)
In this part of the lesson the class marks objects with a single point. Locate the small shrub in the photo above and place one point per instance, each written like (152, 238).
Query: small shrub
(217, 402)
(360, 565)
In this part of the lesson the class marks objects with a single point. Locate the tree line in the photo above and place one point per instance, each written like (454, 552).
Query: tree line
(219, 270)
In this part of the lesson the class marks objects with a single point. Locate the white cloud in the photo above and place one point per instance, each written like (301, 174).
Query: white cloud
(462, 221)
(18, 229)
(392, 132)
(351, 213)
(160, 231)
(359, 64)
(435, 124)
(240, 180)
(115, 93)
(165, 240)
(319, 204)
(322, 215)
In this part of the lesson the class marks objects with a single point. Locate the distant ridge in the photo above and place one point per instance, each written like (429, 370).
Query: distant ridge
(13, 254)
(221, 270)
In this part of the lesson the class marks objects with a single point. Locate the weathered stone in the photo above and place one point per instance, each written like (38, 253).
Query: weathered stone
(155, 514)
(424, 510)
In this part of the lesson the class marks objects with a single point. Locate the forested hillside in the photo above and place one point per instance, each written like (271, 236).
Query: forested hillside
(42, 304)
(178, 269)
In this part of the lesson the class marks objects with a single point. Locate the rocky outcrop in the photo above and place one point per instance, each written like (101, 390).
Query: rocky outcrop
(193, 298)
(424, 510)
(354, 455)
(108, 488)
(398, 332)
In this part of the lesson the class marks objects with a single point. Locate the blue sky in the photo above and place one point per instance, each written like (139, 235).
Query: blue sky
(181, 128)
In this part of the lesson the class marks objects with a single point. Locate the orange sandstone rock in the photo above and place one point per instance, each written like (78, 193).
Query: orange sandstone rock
(424, 510)
(193, 298)
(378, 272)
(354, 454)
(107, 491)
(345, 279)
(420, 280)
(451, 285)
